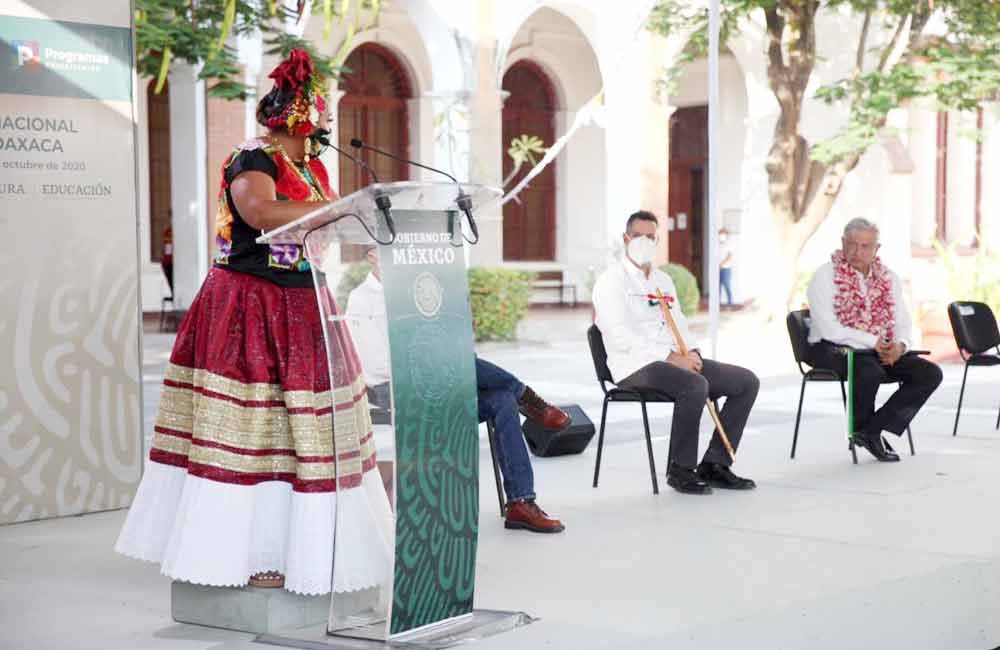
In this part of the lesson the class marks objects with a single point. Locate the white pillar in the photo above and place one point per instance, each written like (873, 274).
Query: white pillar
(713, 173)
(486, 167)
(990, 206)
(188, 183)
(961, 199)
(330, 158)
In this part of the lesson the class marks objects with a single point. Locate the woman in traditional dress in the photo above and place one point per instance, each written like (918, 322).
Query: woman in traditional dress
(242, 484)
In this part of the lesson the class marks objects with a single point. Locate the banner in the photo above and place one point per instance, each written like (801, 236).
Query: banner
(437, 441)
(70, 402)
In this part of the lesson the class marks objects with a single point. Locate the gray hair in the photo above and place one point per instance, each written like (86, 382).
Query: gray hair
(859, 223)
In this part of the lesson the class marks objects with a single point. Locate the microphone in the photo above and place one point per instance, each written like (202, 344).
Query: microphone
(382, 200)
(464, 201)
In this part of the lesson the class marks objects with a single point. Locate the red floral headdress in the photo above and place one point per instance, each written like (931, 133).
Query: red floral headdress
(298, 74)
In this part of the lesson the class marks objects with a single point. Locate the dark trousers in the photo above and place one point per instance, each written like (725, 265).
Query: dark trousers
(919, 379)
(690, 390)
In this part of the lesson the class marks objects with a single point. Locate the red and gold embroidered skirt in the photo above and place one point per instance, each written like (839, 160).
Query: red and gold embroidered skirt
(247, 395)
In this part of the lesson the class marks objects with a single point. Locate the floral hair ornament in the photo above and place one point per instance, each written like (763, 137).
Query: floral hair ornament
(297, 75)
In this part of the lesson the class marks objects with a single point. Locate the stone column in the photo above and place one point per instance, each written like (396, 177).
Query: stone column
(188, 183)
(330, 158)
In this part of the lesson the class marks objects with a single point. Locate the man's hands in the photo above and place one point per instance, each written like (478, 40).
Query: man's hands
(690, 361)
(889, 353)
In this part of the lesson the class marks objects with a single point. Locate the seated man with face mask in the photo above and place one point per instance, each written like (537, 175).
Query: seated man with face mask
(644, 355)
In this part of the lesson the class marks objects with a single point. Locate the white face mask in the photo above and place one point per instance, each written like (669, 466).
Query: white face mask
(641, 250)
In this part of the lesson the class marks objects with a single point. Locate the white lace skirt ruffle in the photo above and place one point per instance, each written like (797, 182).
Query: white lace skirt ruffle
(219, 534)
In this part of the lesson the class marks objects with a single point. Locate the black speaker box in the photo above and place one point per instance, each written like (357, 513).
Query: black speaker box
(571, 440)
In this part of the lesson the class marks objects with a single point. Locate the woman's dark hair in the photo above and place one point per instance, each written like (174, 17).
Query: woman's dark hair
(273, 103)
(641, 215)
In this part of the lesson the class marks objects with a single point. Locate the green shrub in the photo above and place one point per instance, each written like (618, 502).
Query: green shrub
(688, 294)
(354, 275)
(499, 298)
(972, 277)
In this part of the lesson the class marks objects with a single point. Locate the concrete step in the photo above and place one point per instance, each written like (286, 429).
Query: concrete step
(247, 609)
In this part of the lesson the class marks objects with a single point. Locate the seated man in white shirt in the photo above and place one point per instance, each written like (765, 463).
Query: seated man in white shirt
(643, 355)
(501, 396)
(855, 301)
(370, 331)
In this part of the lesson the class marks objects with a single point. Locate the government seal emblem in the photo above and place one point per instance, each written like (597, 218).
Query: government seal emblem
(427, 294)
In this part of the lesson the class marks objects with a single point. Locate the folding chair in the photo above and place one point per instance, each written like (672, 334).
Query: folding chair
(975, 329)
(615, 394)
(798, 332)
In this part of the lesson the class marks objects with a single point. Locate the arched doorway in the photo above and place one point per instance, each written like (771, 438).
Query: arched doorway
(373, 109)
(158, 112)
(687, 188)
(529, 226)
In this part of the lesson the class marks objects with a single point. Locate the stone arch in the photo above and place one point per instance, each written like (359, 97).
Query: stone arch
(553, 43)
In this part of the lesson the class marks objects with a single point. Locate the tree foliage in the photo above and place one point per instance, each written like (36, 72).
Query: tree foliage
(198, 32)
(943, 52)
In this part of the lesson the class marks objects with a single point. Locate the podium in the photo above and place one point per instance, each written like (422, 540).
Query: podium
(404, 574)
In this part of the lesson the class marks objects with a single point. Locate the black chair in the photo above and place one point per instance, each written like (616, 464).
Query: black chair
(491, 435)
(168, 321)
(615, 394)
(798, 332)
(975, 329)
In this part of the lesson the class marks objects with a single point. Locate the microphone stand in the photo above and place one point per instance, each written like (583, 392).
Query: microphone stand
(382, 201)
(464, 201)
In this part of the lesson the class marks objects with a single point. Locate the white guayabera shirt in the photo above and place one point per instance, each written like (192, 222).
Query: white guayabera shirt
(370, 329)
(825, 325)
(635, 334)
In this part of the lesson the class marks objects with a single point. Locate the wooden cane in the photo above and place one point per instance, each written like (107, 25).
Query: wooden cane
(683, 349)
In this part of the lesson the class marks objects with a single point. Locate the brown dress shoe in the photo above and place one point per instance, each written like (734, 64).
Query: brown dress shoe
(527, 515)
(535, 408)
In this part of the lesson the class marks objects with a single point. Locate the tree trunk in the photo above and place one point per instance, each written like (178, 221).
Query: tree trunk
(801, 191)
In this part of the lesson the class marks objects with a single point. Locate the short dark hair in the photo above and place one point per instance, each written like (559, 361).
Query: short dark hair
(641, 215)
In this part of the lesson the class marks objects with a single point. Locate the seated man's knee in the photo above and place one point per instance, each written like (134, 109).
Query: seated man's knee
(490, 403)
(696, 390)
(932, 376)
(869, 370)
(750, 381)
(493, 403)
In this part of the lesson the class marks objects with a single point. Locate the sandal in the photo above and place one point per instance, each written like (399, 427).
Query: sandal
(267, 580)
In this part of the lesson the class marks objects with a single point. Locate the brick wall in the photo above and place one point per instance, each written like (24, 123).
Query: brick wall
(224, 125)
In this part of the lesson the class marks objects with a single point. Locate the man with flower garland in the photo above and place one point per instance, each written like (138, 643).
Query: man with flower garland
(856, 301)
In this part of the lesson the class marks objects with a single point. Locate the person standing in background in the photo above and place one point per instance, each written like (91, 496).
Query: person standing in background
(726, 259)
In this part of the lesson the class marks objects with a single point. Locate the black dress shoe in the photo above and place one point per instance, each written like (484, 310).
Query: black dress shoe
(875, 447)
(720, 476)
(686, 480)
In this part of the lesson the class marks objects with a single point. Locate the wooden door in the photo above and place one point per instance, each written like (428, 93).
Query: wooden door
(679, 247)
(686, 202)
(373, 109)
(158, 113)
(529, 226)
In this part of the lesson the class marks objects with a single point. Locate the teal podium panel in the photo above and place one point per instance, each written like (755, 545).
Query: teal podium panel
(434, 399)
